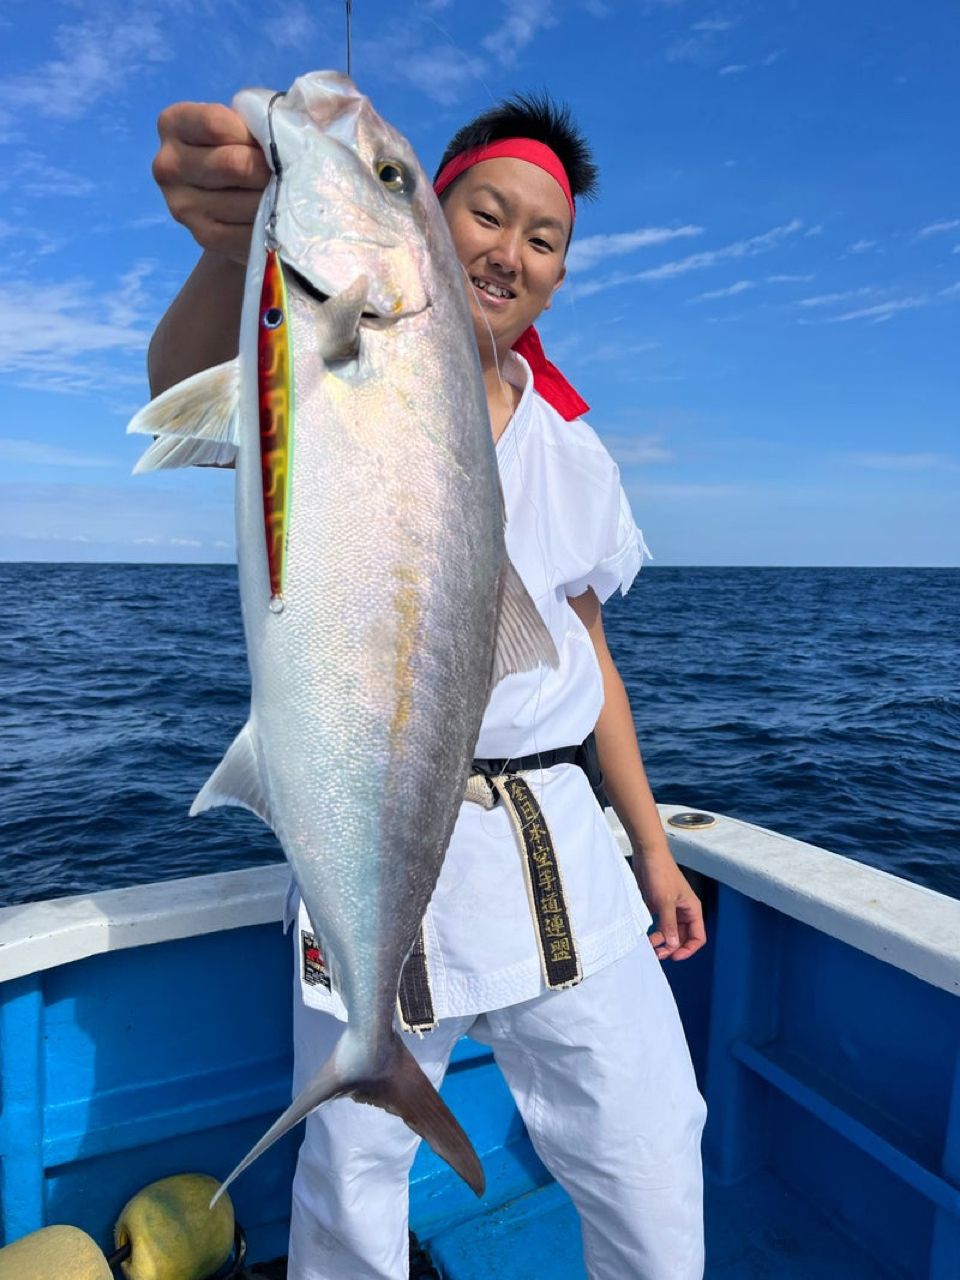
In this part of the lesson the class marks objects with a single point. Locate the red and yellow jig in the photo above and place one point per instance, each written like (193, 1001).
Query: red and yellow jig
(275, 391)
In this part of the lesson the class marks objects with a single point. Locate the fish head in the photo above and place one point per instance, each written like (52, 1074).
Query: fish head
(353, 199)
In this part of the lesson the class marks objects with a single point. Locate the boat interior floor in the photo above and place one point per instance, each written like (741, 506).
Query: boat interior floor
(755, 1230)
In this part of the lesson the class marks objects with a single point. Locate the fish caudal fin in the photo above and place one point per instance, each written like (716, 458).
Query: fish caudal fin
(406, 1092)
(401, 1088)
(523, 641)
(196, 422)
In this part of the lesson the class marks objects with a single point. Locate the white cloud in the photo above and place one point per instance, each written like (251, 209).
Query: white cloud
(762, 243)
(636, 451)
(730, 291)
(296, 29)
(936, 228)
(442, 72)
(519, 27)
(617, 352)
(732, 69)
(788, 278)
(149, 221)
(669, 490)
(905, 461)
(36, 453)
(815, 230)
(96, 57)
(176, 518)
(31, 174)
(882, 311)
(830, 299)
(591, 250)
(712, 24)
(54, 342)
(862, 246)
(129, 301)
(951, 290)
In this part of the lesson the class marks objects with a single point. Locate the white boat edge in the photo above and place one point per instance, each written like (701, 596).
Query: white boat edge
(904, 924)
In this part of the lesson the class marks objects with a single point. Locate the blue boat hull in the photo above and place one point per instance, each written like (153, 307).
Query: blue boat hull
(832, 1079)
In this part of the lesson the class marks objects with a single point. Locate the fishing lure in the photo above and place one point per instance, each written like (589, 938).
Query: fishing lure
(275, 398)
(275, 392)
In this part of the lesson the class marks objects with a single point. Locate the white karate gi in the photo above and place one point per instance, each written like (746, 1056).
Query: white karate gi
(600, 1071)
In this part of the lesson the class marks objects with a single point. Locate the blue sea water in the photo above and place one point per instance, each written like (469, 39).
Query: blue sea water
(823, 703)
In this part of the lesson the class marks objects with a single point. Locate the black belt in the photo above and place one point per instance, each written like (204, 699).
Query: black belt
(584, 757)
(559, 959)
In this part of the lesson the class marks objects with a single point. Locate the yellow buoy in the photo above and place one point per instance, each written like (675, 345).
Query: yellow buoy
(53, 1253)
(172, 1232)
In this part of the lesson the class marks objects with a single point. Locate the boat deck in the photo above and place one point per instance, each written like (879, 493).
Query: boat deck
(755, 1230)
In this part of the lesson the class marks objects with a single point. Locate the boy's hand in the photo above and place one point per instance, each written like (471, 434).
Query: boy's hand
(212, 173)
(676, 908)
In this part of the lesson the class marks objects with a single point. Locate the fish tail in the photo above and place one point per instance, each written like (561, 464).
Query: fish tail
(405, 1091)
(400, 1087)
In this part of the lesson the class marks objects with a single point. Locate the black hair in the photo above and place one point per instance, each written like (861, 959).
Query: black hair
(533, 116)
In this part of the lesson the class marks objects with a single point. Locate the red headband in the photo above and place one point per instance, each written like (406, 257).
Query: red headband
(528, 149)
(547, 378)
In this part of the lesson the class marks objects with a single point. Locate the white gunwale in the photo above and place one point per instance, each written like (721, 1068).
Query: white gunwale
(901, 923)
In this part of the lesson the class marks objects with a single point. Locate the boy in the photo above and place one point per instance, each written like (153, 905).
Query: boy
(583, 1026)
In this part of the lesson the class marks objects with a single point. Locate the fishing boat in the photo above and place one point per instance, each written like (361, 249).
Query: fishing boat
(146, 1032)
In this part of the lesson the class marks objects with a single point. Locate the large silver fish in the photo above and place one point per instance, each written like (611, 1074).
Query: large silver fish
(378, 602)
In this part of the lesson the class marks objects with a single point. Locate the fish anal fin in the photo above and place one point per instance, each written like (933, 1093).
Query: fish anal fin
(523, 641)
(236, 780)
(196, 422)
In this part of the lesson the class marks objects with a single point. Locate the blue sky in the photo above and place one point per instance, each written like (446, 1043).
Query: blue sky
(763, 307)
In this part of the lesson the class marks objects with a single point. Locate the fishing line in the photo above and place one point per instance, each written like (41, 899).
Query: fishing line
(470, 65)
(349, 6)
(508, 403)
(493, 345)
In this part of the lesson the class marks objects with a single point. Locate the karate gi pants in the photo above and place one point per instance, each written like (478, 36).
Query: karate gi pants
(602, 1077)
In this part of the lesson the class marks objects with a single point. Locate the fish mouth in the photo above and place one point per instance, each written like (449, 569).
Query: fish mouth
(370, 317)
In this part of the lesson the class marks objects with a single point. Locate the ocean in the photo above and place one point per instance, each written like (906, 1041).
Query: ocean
(822, 703)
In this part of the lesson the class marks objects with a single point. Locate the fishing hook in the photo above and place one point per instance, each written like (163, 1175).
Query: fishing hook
(271, 229)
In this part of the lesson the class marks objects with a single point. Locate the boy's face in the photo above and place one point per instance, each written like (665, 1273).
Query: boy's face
(510, 224)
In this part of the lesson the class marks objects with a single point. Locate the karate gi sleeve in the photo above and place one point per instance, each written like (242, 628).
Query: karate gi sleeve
(612, 547)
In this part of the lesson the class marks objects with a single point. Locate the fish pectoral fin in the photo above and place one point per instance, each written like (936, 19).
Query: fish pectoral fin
(236, 780)
(196, 422)
(400, 1087)
(523, 641)
(338, 321)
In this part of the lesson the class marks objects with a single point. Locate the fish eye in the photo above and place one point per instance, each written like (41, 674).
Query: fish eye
(272, 318)
(393, 176)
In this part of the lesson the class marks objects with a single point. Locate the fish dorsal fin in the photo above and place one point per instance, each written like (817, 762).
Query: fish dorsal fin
(196, 422)
(523, 641)
(236, 780)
